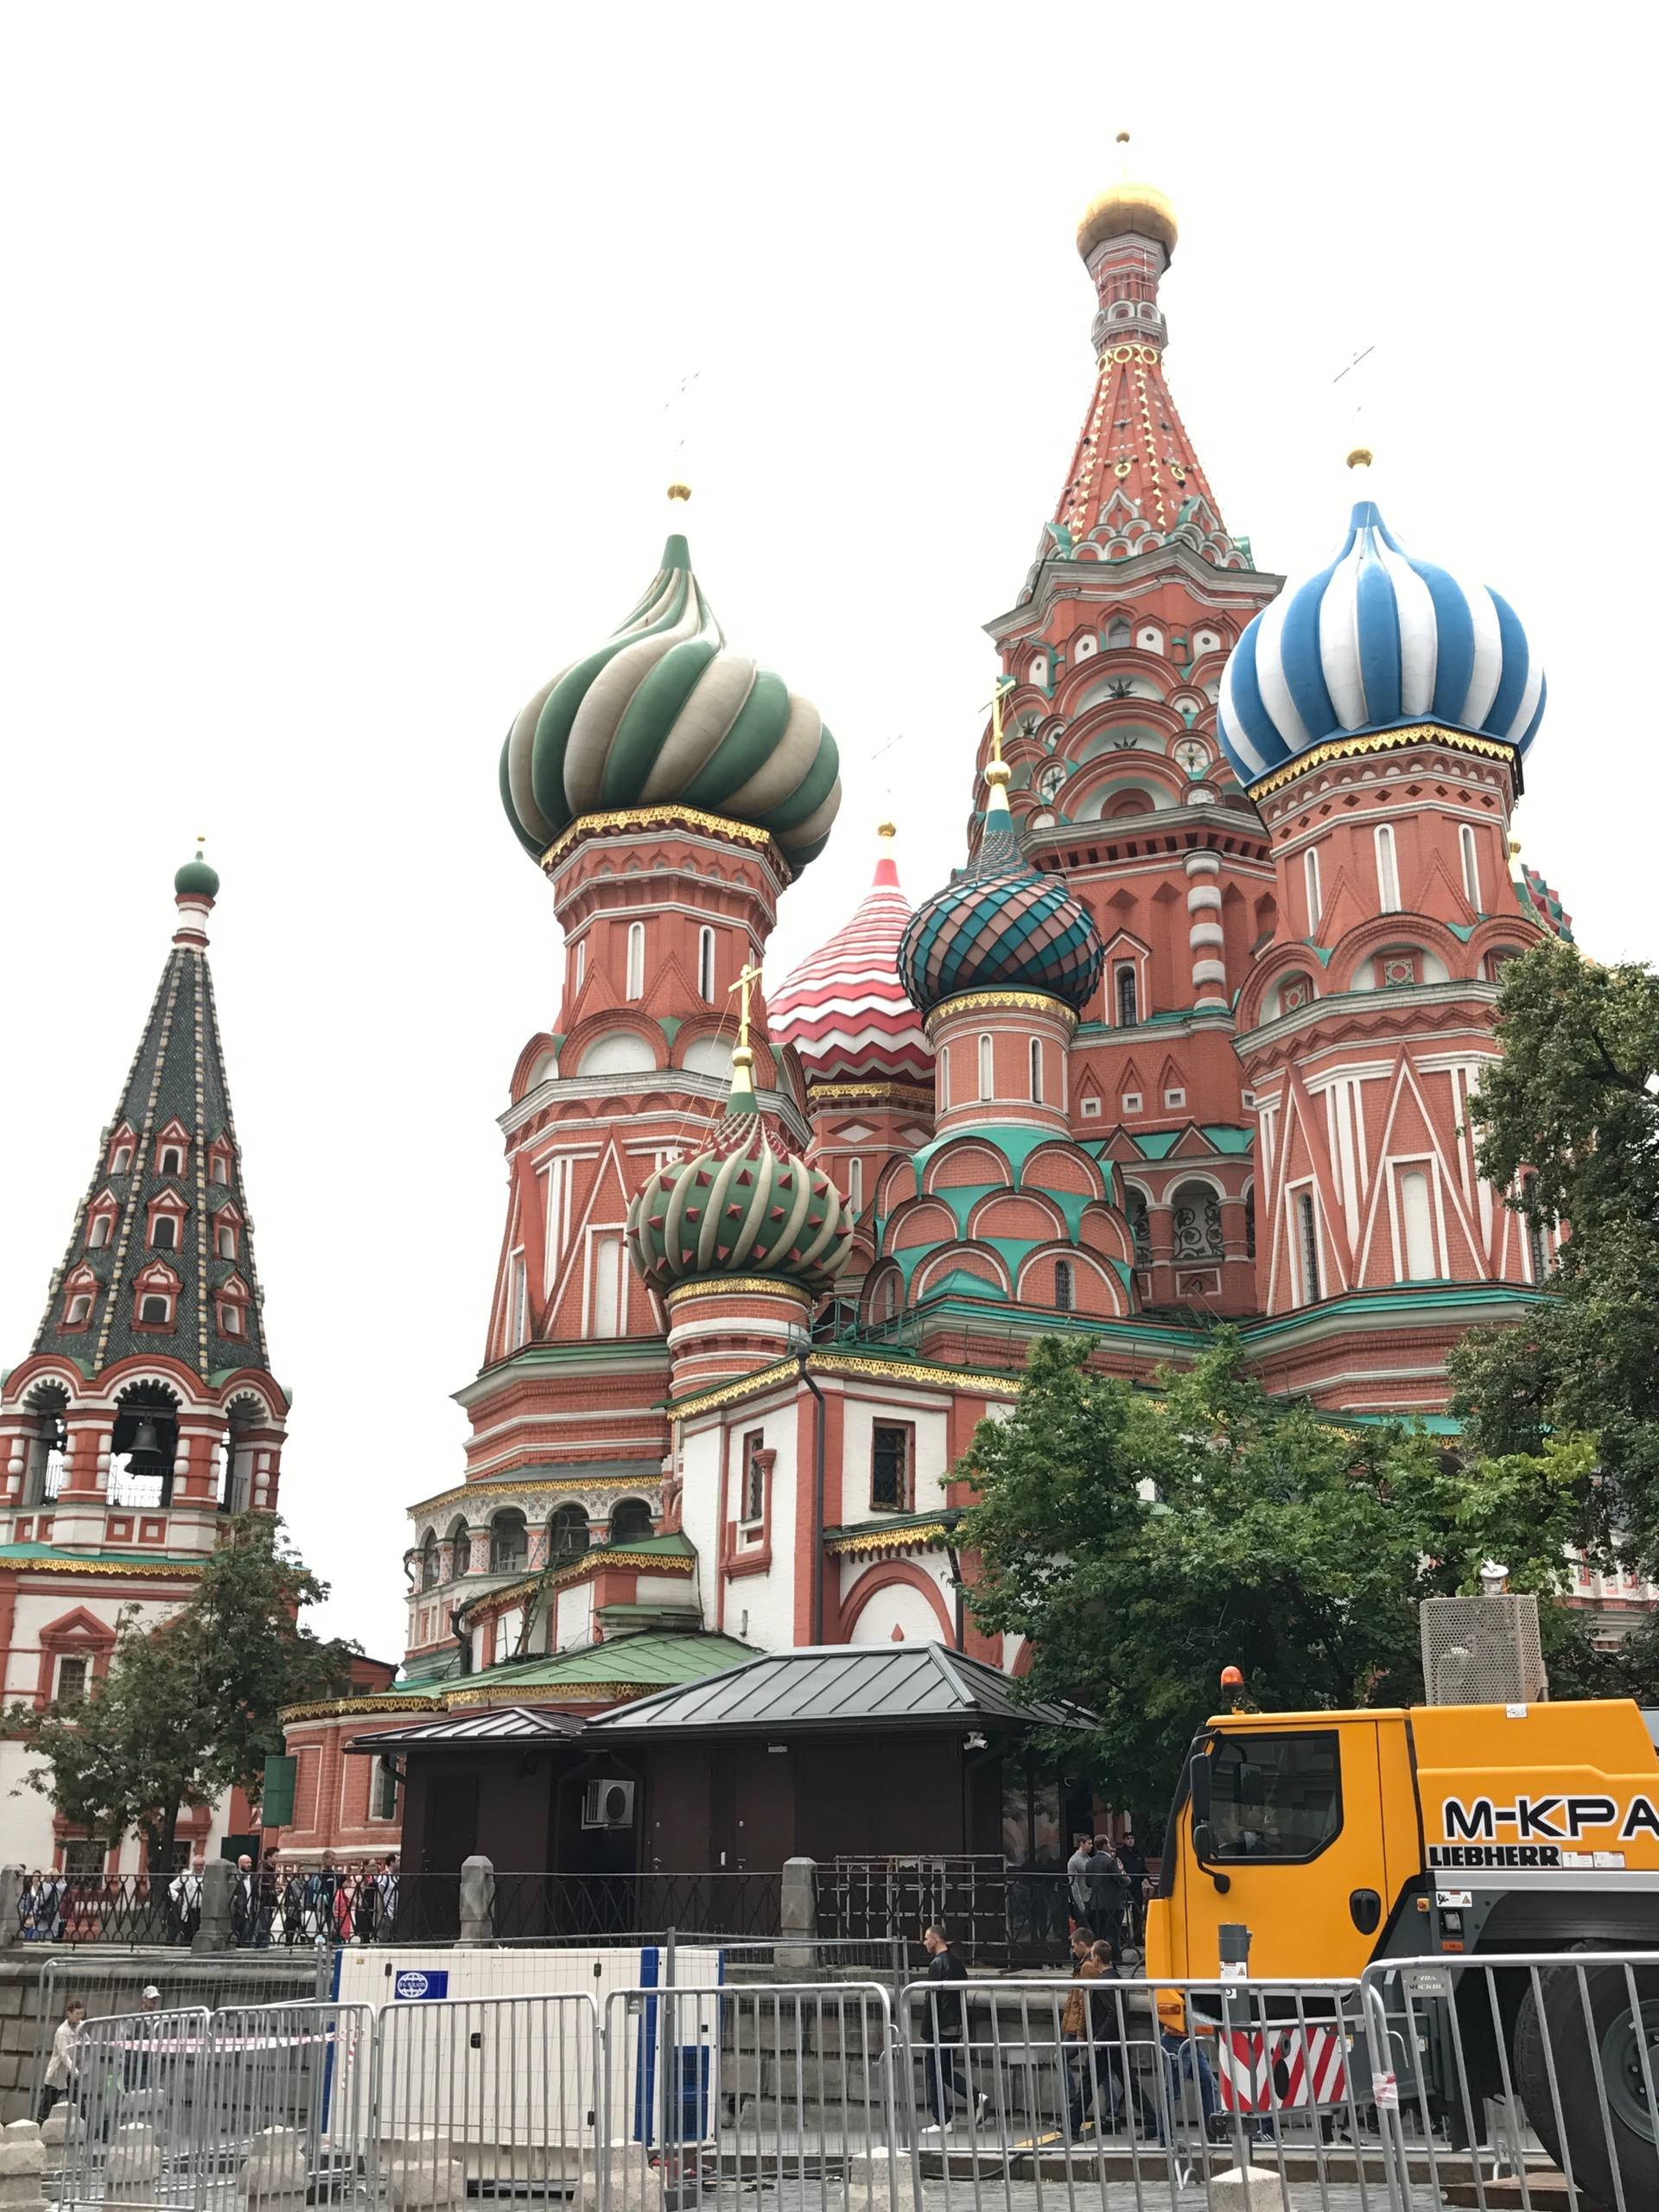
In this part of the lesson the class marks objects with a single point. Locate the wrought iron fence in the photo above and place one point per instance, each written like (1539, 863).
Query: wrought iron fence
(531, 1907)
(998, 1916)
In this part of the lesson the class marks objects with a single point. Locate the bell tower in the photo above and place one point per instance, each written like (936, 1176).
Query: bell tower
(146, 1409)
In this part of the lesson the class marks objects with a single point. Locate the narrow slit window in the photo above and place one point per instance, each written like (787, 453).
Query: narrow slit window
(1129, 1001)
(1388, 872)
(1063, 1286)
(1037, 1071)
(706, 964)
(636, 960)
(987, 1076)
(890, 1468)
(1470, 866)
(1311, 873)
(1308, 1226)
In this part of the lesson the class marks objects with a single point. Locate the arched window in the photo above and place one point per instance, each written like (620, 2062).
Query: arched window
(1195, 1218)
(944, 1075)
(1205, 641)
(1470, 866)
(509, 1542)
(1129, 1004)
(164, 1233)
(1387, 872)
(227, 1241)
(1062, 1286)
(890, 1298)
(567, 1533)
(855, 1185)
(582, 962)
(156, 1310)
(429, 1559)
(1140, 1221)
(986, 1070)
(123, 1159)
(1537, 1251)
(636, 979)
(172, 1160)
(1118, 634)
(1417, 1227)
(608, 1307)
(80, 1306)
(1085, 648)
(460, 1540)
(100, 1236)
(1150, 640)
(629, 1521)
(1037, 1071)
(1307, 1227)
(220, 1170)
(706, 964)
(1310, 875)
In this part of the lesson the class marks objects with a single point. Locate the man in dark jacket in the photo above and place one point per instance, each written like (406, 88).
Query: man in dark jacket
(942, 2025)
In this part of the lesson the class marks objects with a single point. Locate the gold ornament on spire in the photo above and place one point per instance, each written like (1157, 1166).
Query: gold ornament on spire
(743, 1052)
(1127, 207)
(679, 491)
(1361, 457)
(997, 771)
(886, 831)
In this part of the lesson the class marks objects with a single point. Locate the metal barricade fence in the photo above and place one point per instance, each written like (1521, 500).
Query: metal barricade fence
(491, 2096)
(726, 2093)
(285, 2097)
(1107, 2093)
(115, 1982)
(1529, 2081)
(134, 2126)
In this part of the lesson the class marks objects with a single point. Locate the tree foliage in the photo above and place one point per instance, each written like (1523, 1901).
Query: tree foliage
(189, 1708)
(1142, 1541)
(1569, 1118)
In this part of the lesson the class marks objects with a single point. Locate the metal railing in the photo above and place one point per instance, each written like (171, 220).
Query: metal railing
(531, 1907)
(1501, 2081)
(1000, 1915)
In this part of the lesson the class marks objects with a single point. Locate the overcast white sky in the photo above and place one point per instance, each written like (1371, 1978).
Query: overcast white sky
(333, 421)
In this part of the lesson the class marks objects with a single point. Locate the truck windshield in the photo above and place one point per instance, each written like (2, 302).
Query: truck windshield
(1276, 1797)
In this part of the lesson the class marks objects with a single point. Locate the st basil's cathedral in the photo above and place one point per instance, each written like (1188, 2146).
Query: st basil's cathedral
(1190, 1036)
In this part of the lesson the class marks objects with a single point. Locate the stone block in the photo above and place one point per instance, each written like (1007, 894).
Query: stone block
(274, 2178)
(1246, 2189)
(421, 2172)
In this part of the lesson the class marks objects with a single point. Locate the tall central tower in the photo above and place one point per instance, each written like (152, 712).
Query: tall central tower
(1112, 657)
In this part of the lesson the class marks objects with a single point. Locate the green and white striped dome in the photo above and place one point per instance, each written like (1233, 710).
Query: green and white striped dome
(666, 714)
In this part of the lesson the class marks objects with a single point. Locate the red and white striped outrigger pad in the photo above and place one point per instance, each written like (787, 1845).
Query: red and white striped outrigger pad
(1313, 2064)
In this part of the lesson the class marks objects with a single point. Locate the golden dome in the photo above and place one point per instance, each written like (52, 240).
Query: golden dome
(1122, 207)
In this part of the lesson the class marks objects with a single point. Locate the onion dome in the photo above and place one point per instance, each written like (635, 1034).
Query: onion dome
(999, 924)
(739, 1208)
(1375, 641)
(845, 1009)
(664, 713)
(1138, 207)
(195, 880)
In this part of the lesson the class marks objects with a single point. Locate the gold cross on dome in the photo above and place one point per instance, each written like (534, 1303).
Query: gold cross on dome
(1004, 684)
(747, 979)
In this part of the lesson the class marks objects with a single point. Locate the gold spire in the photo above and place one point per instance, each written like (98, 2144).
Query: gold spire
(997, 771)
(743, 1052)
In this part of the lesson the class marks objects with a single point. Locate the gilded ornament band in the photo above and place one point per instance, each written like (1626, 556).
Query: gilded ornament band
(1383, 741)
(887, 1540)
(1003, 1003)
(651, 818)
(739, 1286)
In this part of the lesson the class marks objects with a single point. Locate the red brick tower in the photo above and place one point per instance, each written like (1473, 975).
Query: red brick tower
(1112, 657)
(1380, 712)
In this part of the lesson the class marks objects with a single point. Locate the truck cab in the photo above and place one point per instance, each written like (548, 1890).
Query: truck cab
(1339, 1838)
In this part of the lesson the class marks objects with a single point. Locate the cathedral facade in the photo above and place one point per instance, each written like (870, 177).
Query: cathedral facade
(1190, 1036)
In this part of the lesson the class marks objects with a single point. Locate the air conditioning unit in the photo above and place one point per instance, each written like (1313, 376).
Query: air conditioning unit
(1483, 1650)
(608, 1805)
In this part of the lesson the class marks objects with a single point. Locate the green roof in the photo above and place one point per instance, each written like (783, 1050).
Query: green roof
(647, 1660)
(25, 1552)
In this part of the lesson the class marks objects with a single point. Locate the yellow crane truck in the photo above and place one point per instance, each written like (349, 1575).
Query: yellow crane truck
(1341, 1839)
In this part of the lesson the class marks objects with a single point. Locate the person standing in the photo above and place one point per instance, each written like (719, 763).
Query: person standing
(1077, 2029)
(385, 1883)
(1080, 1869)
(1109, 1891)
(1114, 2062)
(944, 2026)
(245, 1903)
(62, 2067)
(1138, 1887)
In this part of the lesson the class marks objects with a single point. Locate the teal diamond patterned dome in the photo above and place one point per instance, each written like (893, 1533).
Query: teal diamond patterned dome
(1001, 925)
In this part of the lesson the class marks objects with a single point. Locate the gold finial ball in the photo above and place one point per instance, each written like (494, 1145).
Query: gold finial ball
(742, 1057)
(1123, 137)
(886, 829)
(679, 491)
(1515, 847)
(997, 774)
(1361, 457)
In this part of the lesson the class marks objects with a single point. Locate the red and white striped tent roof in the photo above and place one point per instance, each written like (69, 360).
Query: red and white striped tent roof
(845, 1009)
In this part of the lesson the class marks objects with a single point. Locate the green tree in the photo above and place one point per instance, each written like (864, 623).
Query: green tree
(189, 1708)
(1140, 1542)
(1568, 1119)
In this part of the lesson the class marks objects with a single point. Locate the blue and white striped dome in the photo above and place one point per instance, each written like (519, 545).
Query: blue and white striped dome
(1375, 641)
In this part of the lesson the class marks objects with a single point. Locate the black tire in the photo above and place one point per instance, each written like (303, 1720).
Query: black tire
(1598, 2129)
